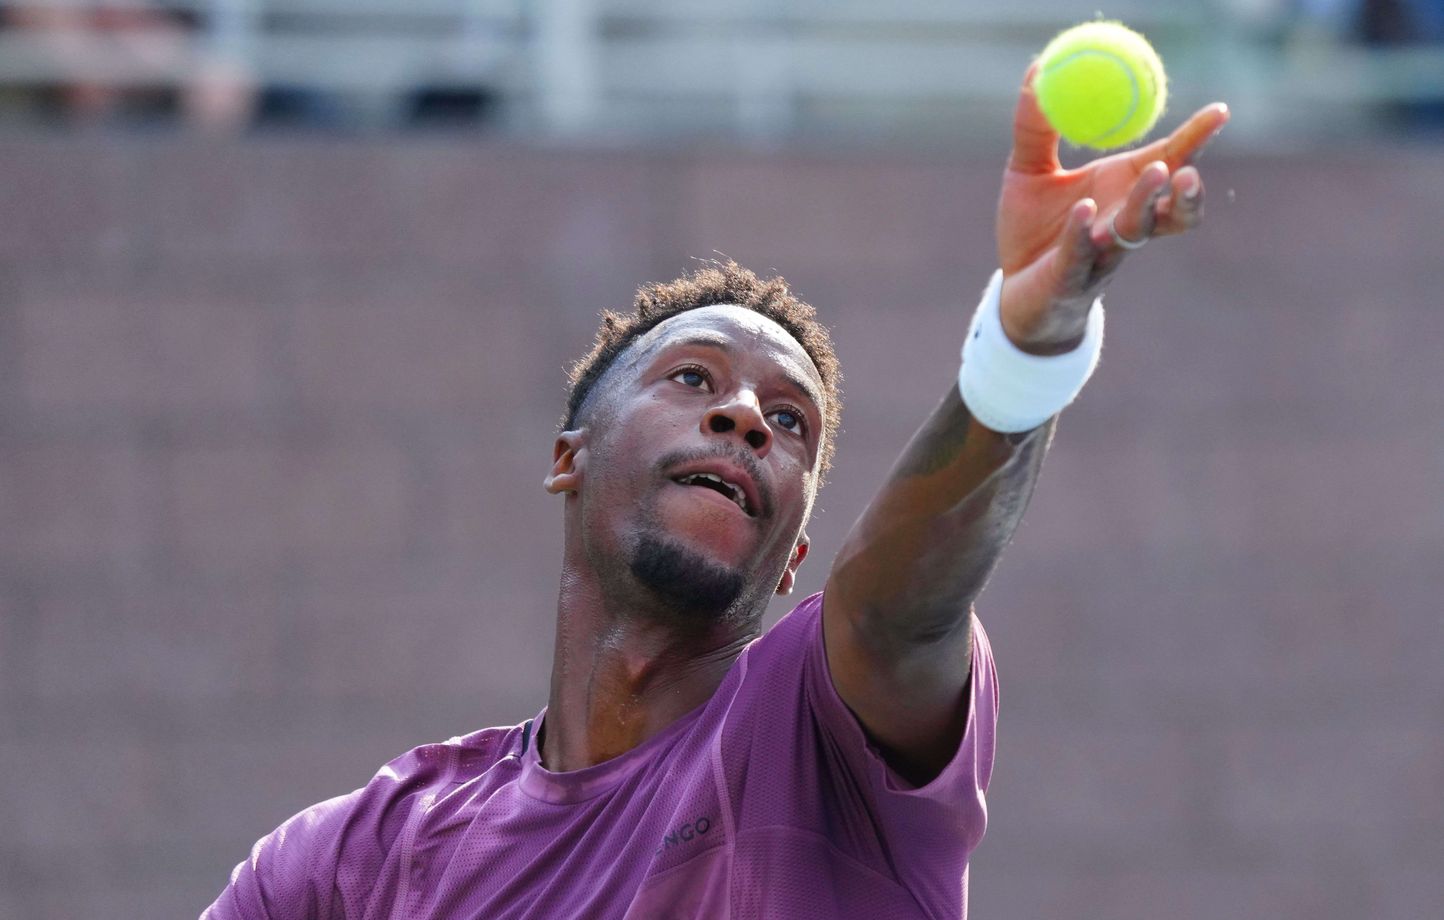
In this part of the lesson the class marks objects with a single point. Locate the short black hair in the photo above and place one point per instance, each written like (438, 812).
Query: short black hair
(716, 282)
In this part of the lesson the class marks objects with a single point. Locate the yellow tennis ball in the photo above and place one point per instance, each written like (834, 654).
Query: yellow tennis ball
(1101, 85)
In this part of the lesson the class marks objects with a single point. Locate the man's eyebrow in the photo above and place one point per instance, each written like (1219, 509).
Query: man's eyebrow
(722, 343)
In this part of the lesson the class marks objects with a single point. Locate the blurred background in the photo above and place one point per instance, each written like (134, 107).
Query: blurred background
(287, 290)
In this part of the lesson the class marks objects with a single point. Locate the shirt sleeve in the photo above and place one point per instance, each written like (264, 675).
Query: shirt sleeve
(931, 828)
(971, 766)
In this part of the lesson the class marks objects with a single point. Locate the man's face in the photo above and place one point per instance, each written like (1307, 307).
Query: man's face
(702, 459)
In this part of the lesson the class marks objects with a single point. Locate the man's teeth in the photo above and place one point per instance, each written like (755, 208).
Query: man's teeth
(736, 494)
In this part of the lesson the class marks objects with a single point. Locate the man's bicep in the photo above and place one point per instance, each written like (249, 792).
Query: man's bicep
(910, 697)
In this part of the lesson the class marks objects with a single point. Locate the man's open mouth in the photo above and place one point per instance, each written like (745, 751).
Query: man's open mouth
(719, 485)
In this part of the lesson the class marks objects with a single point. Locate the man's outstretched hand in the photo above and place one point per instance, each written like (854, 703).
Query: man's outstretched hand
(1054, 243)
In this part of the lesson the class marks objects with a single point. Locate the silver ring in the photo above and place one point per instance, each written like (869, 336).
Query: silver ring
(1118, 239)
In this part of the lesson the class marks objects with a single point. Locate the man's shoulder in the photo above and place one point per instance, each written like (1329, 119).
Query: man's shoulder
(406, 784)
(430, 768)
(382, 806)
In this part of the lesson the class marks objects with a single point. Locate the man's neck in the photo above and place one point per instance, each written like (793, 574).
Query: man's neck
(619, 678)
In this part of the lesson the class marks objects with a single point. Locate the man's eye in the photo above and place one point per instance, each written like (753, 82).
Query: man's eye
(788, 420)
(691, 376)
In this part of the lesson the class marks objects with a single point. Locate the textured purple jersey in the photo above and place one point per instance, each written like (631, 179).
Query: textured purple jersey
(766, 801)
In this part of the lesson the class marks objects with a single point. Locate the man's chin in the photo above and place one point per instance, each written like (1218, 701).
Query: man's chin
(697, 587)
(703, 522)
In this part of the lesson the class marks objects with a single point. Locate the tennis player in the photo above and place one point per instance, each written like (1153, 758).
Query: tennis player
(687, 765)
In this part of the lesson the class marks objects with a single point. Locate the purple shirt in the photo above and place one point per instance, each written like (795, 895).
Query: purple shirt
(765, 801)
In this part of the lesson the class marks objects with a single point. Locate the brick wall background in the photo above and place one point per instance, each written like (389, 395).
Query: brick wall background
(274, 417)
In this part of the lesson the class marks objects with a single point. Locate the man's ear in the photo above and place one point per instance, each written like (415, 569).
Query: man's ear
(789, 575)
(566, 473)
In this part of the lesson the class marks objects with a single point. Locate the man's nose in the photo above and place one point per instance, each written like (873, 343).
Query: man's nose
(740, 413)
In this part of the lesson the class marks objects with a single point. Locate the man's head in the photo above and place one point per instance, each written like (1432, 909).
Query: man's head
(697, 432)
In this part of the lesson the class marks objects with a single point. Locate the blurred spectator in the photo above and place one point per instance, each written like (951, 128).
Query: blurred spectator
(1384, 25)
(1401, 22)
(1376, 22)
(1396, 23)
(135, 58)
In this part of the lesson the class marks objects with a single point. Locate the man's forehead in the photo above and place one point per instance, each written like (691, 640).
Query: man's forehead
(732, 327)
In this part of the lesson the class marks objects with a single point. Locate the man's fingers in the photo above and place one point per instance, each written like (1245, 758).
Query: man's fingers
(1187, 140)
(1134, 219)
(1182, 208)
(1035, 143)
(1076, 251)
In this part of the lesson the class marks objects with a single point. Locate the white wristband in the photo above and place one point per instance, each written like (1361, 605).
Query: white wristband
(1008, 389)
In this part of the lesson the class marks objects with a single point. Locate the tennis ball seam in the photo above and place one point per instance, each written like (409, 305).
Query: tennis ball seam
(1127, 72)
(1101, 85)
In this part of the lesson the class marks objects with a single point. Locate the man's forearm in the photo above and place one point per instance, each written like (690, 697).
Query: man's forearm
(922, 551)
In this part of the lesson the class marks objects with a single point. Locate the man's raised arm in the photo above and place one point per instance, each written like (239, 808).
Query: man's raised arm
(897, 613)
